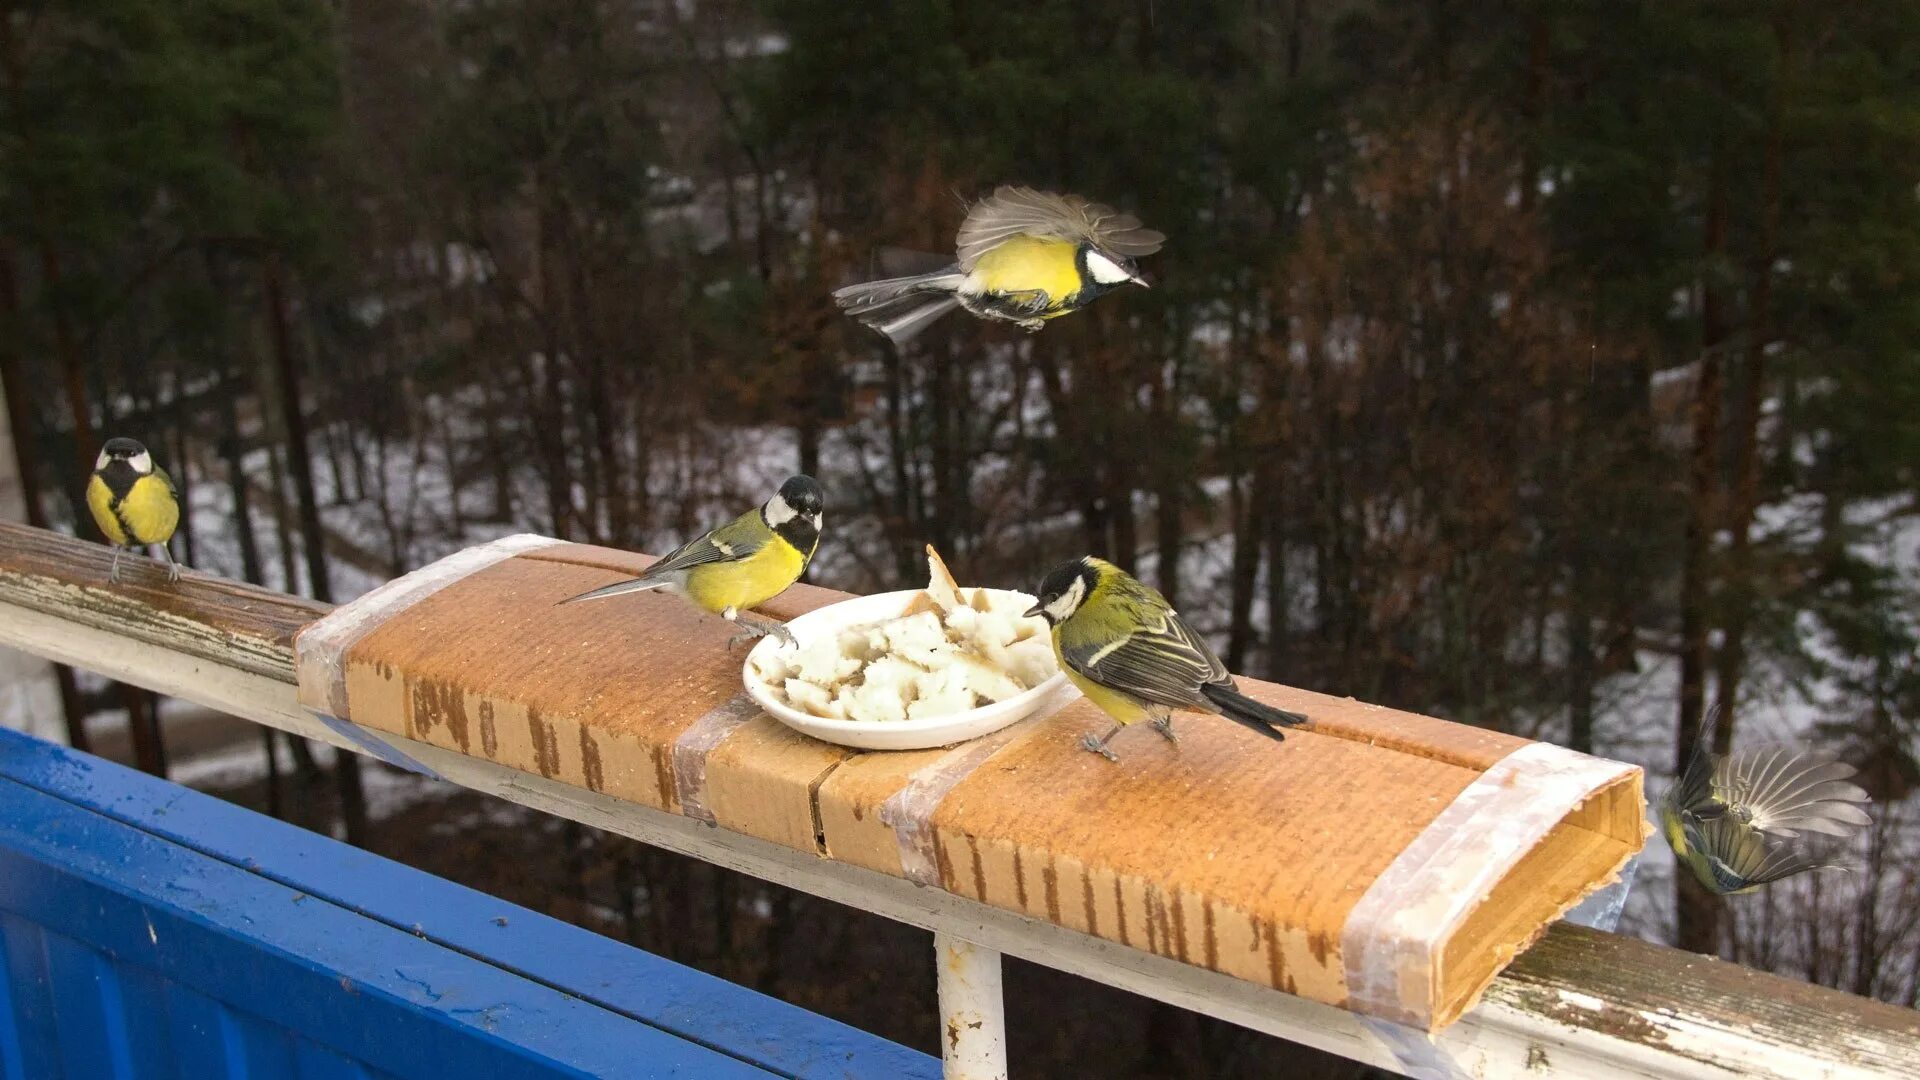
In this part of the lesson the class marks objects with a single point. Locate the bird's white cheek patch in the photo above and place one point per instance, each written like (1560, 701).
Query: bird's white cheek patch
(778, 512)
(101, 461)
(142, 462)
(1067, 602)
(1105, 270)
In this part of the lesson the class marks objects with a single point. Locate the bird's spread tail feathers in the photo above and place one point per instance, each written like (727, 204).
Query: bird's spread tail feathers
(620, 588)
(1256, 715)
(903, 306)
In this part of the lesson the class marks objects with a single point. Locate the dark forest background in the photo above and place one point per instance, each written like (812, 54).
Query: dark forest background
(1552, 366)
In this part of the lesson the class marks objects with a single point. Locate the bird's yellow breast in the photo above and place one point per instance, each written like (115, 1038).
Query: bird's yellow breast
(746, 583)
(1123, 709)
(1025, 263)
(148, 514)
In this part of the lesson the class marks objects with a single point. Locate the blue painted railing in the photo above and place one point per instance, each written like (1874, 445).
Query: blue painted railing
(147, 930)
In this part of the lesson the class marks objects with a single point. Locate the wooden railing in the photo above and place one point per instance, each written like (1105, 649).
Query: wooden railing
(1578, 1004)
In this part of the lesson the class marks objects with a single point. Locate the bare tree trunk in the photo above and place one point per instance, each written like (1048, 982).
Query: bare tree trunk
(1698, 927)
(182, 474)
(1170, 490)
(1580, 676)
(13, 385)
(1248, 535)
(500, 463)
(229, 446)
(282, 518)
(72, 367)
(346, 768)
(143, 728)
(1273, 515)
(1739, 582)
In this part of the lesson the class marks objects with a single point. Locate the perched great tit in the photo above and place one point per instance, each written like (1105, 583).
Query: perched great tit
(1026, 256)
(742, 564)
(1737, 822)
(133, 501)
(1124, 646)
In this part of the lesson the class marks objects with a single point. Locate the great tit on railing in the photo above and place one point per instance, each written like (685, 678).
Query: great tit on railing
(133, 501)
(1739, 822)
(1025, 256)
(1124, 646)
(742, 564)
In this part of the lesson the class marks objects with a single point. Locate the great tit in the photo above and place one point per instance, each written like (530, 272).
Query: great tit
(1124, 646)
(1737, 822)
(133, 501)
(1026, 256)
(741, 564)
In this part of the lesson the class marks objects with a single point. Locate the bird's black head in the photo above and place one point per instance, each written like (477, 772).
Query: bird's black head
(1064, 589)
(795, 512)
(126, 452)
(1102, 270)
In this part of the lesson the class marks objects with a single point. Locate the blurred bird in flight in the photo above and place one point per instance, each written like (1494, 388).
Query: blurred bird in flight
(1740, 822)
(1025, 256)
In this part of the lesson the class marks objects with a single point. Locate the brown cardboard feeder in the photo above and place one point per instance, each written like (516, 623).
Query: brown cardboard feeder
(1378, 860)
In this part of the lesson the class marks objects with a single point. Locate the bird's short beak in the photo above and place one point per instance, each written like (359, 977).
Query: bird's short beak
(1140, 281)
(1033, 611)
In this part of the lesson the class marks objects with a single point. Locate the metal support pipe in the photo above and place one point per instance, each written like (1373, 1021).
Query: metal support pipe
(973, 1040)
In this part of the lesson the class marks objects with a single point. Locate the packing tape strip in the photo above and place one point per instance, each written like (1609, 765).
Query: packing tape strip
(700, 738)
(374, 745)
(910, 810)
(1419, 1055)
(1601, 910)
(320, 649)
(1391, 941)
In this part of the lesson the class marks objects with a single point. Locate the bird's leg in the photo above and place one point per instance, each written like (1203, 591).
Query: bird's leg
(1031, 301)
(113, 572)
(173, 568)
(1163, 724)
(1099, 745)
(752, 626)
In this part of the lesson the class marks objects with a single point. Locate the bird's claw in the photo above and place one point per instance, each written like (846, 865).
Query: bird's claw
(173, 572)
(1098, 746)
(755, 631)
(1164, 725)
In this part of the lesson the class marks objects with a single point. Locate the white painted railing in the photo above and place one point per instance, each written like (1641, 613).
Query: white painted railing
(1579, 1004)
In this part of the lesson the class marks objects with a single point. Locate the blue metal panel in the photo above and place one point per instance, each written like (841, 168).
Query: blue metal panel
(140, 938)
(776, 1036)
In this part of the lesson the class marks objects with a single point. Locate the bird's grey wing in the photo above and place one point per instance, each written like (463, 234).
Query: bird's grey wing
(1164, 664)
(1787, 791)
(1741, 856)
(167, 480)
(737, 539)
(1693, 792)
(1017, 211)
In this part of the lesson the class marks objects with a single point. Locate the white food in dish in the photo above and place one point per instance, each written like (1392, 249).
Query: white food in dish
(953, 650)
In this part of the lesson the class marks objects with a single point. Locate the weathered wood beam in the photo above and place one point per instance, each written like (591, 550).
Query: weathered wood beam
(1578, 1004)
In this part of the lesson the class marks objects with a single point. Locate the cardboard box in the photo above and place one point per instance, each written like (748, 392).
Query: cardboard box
(1380, 860)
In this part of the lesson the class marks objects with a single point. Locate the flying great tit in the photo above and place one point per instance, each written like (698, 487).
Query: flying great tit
(1026, 256)
(742, 564)
(1737, 822)
(133, 501)
(1132, 655)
